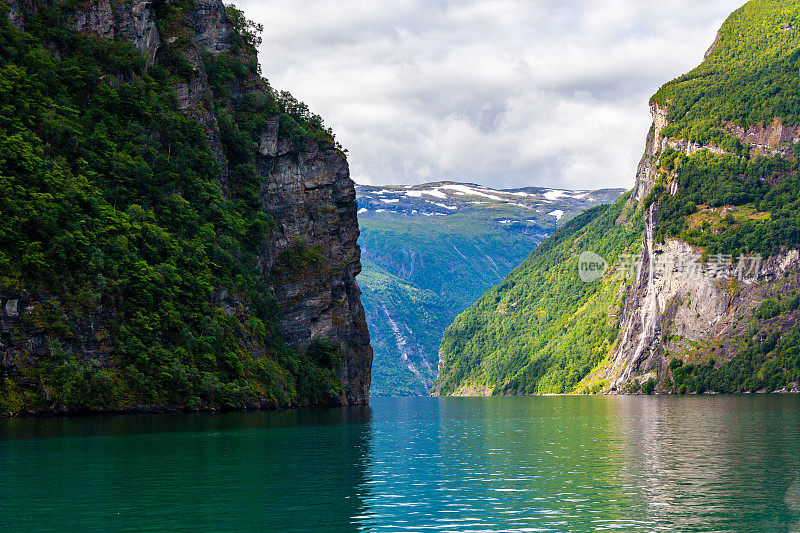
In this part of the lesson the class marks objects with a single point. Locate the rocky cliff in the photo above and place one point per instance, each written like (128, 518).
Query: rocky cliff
(689, 284)
(283, 185)
(715, 285)
(313, 200)
(678, 306)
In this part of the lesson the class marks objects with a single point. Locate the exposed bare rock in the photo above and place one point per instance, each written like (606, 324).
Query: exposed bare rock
(18, 313)
(96, 16)
(15, 16)
(136, 21)
(773, 139)
(769, 140)
(212, 29)
(192, 98)
(316, 258)
(645, 173)
(675, 303)
(268, 145)
(660, 143)
(712, 47)
(659, 114)
(16, 12)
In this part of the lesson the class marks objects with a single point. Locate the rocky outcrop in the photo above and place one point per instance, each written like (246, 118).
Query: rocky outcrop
(712, 47)
(764, 140)
(312, 255)
(315, 257)
(96, 17)
(24, 340)
(16, 11)
(307, 189)
(769, 140)
(133, 21)
(661, 143)
(137, 23)
(674, 302)
(212, 29)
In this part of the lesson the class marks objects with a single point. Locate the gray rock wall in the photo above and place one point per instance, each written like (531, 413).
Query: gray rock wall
(669, 310)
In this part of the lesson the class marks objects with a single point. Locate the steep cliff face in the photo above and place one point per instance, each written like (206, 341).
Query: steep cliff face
(302, 264)
(711, 301)
(313, 200)
(678, 307)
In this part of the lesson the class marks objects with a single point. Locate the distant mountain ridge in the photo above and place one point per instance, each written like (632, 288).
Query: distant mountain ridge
(430, 250)
(447, 197)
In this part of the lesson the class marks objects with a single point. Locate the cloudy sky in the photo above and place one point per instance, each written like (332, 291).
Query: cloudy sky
(505, 93)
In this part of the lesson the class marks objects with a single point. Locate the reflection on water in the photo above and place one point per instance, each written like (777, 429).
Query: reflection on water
(491, 464)
(724, 461)
(293, 470)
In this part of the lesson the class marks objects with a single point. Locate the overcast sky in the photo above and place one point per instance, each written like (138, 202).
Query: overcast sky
(505, 93)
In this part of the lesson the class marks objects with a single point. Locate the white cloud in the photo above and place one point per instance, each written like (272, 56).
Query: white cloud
(505, 93)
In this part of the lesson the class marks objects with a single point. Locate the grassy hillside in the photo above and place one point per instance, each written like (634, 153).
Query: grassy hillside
(542, 329)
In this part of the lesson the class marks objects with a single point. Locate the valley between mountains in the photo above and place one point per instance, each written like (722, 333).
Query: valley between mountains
(177, 234)
(429, 251)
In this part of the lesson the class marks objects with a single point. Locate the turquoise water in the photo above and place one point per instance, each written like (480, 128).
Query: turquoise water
(711, 463)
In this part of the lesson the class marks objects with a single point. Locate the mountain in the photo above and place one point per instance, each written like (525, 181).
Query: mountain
(431, 250)
(696, 280)
(175, 233)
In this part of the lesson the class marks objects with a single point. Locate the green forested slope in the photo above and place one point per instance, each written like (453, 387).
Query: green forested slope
(542, 329)
(112, 213)
(750, 78)
(431, 250)
(765, 193)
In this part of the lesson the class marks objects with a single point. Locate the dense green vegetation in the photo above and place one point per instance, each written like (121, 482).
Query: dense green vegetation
(543, 329)
(113, 211)
(750, 77)
(764, 191)
(771, 363)
(769, 359)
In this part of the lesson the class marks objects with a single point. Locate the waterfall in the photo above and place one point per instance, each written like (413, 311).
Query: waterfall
(649, 313)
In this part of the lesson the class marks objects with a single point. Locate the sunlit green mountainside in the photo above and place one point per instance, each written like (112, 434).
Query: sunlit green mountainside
(719, 181)
(542, 329)
(431, 250)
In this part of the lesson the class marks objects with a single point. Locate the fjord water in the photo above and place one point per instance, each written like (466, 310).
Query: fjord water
(718, 463)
